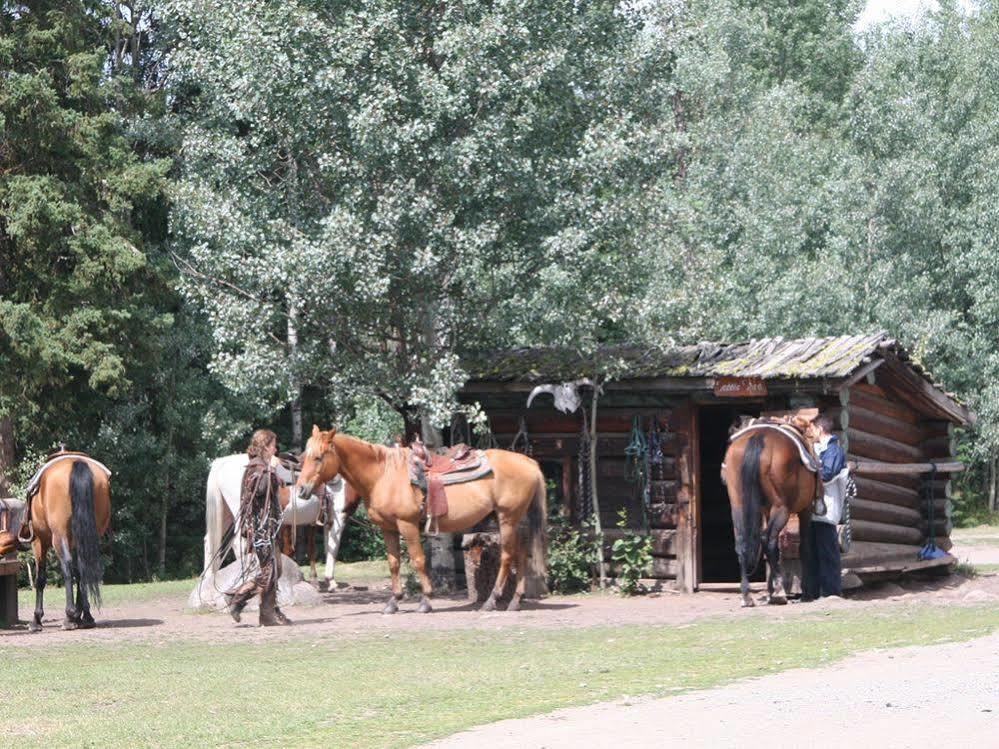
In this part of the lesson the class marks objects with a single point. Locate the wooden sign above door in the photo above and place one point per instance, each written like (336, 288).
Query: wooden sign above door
(740, 387)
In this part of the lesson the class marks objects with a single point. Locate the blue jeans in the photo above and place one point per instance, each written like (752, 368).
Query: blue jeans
(823, 564)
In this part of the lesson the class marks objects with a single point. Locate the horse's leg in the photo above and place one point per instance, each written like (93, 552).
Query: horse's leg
(518, 592)
(310, 550)
(809, 571)
(66, 560)
(747, 600)
(392, 549)
(41, 551)
(778, 519)
(286, 541)
(334, 535)
(741, 534)
(419, 561)
(83, 616)
(508, 550)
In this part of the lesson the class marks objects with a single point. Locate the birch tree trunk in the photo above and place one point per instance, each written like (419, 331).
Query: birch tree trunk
(294, 213)
(296, 401)
(6, 455)
(994, 484)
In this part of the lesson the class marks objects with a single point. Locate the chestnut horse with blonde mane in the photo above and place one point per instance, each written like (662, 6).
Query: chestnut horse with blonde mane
(69, 512)
(765, 476)
(515, 487)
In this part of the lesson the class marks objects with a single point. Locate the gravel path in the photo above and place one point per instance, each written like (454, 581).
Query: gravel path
(939, 695)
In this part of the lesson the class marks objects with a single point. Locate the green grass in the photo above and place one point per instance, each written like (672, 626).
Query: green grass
(400, 688)
(979, 536)
(112, 594)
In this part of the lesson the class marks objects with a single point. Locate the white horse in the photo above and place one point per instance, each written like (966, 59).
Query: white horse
(222, 510)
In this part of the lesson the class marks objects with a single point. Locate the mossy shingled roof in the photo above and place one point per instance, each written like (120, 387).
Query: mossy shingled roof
(767, 358)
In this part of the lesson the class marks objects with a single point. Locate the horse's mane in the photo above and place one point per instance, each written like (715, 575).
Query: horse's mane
(312, 449)
(389, 457)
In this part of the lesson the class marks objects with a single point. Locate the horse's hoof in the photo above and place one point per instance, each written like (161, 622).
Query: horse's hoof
(69, 625)
(391, 607)
(778, 599)
(489, 605)
(324, 586)
(425, 607)
(514, 605)
(34, 627)
(747, 602)
(87, 622)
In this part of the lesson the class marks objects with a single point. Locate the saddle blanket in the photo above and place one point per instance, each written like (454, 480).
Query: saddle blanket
(807, 458)
(37, 478)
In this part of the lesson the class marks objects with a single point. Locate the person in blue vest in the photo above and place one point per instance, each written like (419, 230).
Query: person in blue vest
(822, 573)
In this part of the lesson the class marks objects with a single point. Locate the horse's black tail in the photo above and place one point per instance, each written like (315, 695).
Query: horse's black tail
(84, 527)
(747, 527)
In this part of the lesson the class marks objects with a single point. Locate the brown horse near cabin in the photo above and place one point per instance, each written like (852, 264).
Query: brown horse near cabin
(69, 512)
(766, 479)
(381, 474)
(287, 535)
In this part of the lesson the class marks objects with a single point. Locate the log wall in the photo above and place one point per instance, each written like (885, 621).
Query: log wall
(555, 438)
(892, 508)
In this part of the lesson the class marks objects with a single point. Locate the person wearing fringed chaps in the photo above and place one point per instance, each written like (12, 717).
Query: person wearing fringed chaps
(261, 519)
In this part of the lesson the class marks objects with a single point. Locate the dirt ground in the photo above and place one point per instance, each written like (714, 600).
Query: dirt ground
(352, 612)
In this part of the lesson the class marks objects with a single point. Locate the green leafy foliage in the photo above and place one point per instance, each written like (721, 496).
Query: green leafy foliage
(571, 554)
(362, 540)
(633, 556)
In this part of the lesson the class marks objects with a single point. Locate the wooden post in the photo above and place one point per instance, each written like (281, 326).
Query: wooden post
(685, 424)
(844, 420)
(601, 565)
(442, 562)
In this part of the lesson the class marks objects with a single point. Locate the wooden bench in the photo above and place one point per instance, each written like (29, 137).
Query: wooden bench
(9, 567)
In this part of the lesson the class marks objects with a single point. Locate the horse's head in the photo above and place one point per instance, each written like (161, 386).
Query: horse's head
(807, 427)
(320, 462)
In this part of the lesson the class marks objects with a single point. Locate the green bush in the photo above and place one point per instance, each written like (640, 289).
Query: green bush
(571, 554)
(633, 554)
(361, 539)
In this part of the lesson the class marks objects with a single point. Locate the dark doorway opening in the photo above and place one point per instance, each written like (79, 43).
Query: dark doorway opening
(718, 561)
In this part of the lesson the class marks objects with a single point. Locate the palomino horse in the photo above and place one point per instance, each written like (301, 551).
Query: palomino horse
(69, 512)
(765, 465)
(381, 474)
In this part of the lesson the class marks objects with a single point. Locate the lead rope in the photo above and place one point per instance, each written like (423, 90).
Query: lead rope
(635, 453)
(931, 532)
(487, 440)
(846, 538)
(522, 440)
(636, 464)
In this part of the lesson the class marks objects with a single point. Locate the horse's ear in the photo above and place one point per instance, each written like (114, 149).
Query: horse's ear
(315, 431)
(332, 432)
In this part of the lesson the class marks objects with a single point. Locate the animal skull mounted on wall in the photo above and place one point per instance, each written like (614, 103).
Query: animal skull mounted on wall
(567, 397)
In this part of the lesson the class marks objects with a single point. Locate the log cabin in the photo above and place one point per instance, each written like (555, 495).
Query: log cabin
(896, 423)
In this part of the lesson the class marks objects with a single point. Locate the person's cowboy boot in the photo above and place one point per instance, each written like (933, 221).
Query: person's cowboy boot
(235, 609)
(268, 609)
